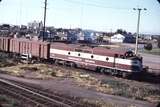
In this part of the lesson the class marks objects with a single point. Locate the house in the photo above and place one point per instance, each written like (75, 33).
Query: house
(147, 37)
(129, 39)
(72, 36)
(80, 36)
(89, 36)
(107, 39)
(117, 38)
(86, 36)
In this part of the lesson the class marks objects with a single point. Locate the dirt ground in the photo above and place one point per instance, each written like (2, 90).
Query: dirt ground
(91, 87)
(68, 87)
(153, 61)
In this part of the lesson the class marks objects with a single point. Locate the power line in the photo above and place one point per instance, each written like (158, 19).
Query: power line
(96, 5)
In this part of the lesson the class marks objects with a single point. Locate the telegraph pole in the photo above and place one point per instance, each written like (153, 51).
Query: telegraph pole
(44, 21)
(138, 24)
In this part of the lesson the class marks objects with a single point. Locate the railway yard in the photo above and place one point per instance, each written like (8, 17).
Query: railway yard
(85, 55)
(36, 73)
(44, 84)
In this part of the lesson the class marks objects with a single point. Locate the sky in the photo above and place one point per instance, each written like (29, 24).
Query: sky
(100, 15)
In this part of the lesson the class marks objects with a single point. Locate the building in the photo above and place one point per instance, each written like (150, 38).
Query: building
(80, 36)
(129, 39)
(89, 36)
(72, 36)
(35, 25)
(117, 38)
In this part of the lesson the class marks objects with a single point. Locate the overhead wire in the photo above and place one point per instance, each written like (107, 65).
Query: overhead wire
(95, 4)
(83, 3)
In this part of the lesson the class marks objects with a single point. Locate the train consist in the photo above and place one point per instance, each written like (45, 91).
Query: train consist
(93, 58)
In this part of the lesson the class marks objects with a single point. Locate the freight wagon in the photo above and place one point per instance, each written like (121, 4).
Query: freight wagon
(4, 44)
(35, 49)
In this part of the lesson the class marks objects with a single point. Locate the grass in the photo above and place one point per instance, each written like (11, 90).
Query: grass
(35, 71)
(155, 51)
(120, 87)
(101, 103)
(113, 86)
(134, 90)
(5, 61)
(96, 103)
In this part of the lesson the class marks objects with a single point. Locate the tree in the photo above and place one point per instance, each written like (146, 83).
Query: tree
(121, 31)
(158, 40)
(148, 46)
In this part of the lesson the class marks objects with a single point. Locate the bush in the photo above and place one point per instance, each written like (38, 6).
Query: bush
(148, 46)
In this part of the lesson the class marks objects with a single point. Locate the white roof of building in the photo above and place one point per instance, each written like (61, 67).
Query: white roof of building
(118, 36)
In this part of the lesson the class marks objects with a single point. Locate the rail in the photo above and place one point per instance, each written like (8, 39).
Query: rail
(35, 95)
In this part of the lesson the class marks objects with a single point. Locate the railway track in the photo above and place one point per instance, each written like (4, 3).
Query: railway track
(35, 96)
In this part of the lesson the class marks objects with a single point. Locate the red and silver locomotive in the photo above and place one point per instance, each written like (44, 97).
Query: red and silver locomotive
(97, 58)
(101, 59)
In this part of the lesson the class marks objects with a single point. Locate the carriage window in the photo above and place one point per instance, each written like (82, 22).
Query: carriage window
(69, 53)
(107, 59)
(92, 56)
(79, 54)
(116, 55)
(78, 50)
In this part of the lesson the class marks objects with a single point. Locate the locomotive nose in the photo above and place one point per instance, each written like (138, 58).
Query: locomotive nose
(136, 66)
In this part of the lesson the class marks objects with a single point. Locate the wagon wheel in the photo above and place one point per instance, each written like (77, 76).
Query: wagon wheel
(56, 62)
(102, 70)
(73, 65)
